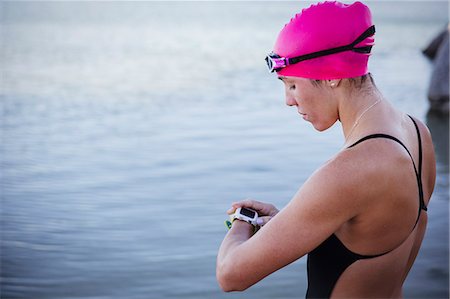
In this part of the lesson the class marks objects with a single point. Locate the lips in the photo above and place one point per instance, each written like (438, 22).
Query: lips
(303, 115)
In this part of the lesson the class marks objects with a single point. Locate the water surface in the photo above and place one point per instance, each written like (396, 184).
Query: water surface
(123, 122)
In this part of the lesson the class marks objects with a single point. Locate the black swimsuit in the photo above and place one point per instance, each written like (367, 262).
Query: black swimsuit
(329, 260)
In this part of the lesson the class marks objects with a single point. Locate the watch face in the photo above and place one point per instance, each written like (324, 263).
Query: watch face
(247, 212)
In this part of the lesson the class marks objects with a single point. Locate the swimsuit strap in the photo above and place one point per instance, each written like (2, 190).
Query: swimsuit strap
(422, 202)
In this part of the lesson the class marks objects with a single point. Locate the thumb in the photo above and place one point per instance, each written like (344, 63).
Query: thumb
(261, 221)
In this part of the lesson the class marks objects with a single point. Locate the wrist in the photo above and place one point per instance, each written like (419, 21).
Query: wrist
(243, 225)
(235, 221)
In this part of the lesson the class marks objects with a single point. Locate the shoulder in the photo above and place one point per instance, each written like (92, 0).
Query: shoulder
(357, 175)
(362, 162)
(343, 182)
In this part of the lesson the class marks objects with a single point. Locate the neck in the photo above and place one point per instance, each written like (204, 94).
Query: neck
(355, 108)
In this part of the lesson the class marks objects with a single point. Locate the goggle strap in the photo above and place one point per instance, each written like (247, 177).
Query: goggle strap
(351, 47)
(369, 32)
(364, 50)
(319, 54)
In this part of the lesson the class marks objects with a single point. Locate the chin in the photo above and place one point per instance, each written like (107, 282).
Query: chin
(320, 129)
(321, 126)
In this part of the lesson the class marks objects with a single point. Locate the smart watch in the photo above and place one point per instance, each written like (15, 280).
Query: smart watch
(246, 214)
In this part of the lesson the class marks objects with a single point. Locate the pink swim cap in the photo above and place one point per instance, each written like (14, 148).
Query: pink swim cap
(324, 26)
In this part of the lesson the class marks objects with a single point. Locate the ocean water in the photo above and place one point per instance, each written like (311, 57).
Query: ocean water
(128, 128)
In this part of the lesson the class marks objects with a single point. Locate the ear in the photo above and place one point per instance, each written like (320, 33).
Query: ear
(334, 83)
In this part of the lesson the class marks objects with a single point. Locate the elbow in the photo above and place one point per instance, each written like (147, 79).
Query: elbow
(229, 281)
(226, 286)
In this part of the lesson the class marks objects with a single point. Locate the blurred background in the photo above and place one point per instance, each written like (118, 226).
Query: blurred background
(127, 129)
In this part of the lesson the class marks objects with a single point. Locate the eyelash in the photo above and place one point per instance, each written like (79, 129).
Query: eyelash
(291, 87)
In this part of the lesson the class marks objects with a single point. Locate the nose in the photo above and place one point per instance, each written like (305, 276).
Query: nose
(290, 101)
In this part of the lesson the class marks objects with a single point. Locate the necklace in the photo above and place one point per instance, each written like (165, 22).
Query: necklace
(359, 118)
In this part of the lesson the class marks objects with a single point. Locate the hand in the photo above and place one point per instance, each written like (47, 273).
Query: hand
(265, 211)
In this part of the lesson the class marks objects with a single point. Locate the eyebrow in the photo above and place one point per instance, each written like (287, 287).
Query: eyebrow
(281, 78)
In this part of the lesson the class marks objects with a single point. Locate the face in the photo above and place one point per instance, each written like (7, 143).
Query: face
(315, 104)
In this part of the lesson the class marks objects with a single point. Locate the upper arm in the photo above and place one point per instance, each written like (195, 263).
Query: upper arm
(318, 209)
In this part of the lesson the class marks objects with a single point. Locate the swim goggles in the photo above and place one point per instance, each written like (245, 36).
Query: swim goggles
(275, 62)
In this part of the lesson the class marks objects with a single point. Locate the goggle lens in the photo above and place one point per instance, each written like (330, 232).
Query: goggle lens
(275, 62)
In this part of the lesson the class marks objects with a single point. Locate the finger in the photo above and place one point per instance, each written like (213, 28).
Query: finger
(235, 205)
(261, 221)
(233, 208)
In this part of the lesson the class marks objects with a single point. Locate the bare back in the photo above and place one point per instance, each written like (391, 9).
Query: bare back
(393, 222)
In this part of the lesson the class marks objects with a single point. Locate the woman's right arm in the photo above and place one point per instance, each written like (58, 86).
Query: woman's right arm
(320, 207)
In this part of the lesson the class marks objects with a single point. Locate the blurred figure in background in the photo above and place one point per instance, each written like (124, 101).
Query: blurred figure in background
(438, 91)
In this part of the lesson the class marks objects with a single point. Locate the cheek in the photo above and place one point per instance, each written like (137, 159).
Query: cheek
(311, 104)
(304, 99)
(327, 119)
(311, 96)
(321, 115)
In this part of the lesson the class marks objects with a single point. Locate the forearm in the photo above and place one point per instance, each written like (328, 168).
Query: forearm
(238, 234)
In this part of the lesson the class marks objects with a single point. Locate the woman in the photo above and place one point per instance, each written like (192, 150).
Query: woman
(361, 217)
